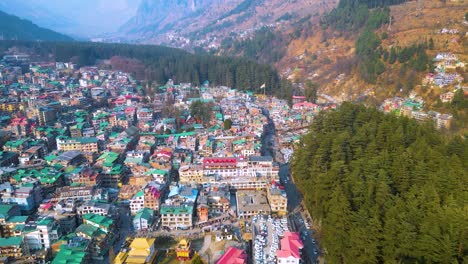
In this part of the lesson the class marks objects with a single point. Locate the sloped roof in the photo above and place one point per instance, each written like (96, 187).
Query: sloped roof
(290, 246)
(233, 256)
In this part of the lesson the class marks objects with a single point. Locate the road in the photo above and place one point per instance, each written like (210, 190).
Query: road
(297, 216)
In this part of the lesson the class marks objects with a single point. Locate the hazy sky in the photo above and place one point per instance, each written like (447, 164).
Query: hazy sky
(74, 17)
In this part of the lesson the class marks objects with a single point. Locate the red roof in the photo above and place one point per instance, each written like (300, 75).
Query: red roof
(305, 105)
(290, 245)
(129, 110)
(233, 256)
(214, 161)
(19, 121)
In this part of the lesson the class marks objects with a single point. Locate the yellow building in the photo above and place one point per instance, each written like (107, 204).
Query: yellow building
(278, 200)
(183, 251)
(141, 251)
(191, 174)
(80, 144)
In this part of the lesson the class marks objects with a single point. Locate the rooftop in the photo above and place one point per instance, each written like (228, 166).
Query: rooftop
(11, 241)
(176, 209)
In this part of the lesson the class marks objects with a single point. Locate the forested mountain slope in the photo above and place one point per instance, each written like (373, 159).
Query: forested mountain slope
(384, 189)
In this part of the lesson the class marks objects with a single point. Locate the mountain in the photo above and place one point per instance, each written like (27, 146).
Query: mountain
(13, 27)
(328, 55)
(206, 23)
(38, 13)
(79, 19)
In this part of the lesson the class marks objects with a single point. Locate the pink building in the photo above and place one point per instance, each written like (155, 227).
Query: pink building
(290, 251)
(233, 256)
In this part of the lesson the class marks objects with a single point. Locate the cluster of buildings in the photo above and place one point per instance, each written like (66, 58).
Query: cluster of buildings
(446, 77)
(292, 121)
(450, 31)
(445, 71)
(84, 151)
(412, 107)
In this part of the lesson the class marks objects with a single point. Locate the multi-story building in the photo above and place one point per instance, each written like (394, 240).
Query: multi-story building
(13, 247)
(104, 223)
(224, 167)
(251, 203)
(278, 199)
(27, 197)
(87, 176)
(84, 193)
(152, 197)
(137, 202)
(176, 216)
(192, 174)
(291, 246)
(41, 234)
(143, 219)
(233, 255)
(98, 208)
(85, 144)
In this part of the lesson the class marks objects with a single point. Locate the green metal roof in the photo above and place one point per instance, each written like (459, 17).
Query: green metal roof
(184, 134)
(4, 209)
(11, 242)
(71, 254)
(145, 213)
(156, 171)
(140, 193)
(45, 221)
(17, 219)
(98, 220)
(177, 210)
(87, 229)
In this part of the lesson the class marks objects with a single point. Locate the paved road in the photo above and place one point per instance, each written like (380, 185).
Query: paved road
(297, 216)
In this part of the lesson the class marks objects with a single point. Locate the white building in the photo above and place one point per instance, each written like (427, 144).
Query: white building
(137, 202)
(42, 234)
(143, 219)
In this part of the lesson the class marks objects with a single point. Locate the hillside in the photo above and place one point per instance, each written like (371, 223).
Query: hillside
(13, 27)
(205, 23)
(327, 56)
(383, 189)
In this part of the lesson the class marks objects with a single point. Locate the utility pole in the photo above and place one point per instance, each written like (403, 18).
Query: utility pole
(419, 7)
(390, 23)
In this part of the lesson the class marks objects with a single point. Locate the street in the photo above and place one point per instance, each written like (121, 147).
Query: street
(297, 217)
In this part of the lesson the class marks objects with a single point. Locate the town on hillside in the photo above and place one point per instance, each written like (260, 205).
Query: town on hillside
(97, 167)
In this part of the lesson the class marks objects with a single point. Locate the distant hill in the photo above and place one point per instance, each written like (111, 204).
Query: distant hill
(328, 55)
(13, 27)
(206, 23)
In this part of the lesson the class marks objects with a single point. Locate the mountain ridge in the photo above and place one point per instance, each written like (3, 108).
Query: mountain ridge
(13, 27)
(205, 23)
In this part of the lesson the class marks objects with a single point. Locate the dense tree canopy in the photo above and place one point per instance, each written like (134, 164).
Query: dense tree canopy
(201, 111)
(384, 189)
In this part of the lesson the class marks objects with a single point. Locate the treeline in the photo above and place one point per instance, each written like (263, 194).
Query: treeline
(368, 49)
(163, 63)
(384, 189)
(415, 55)
(266, 46)
(352, 15)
